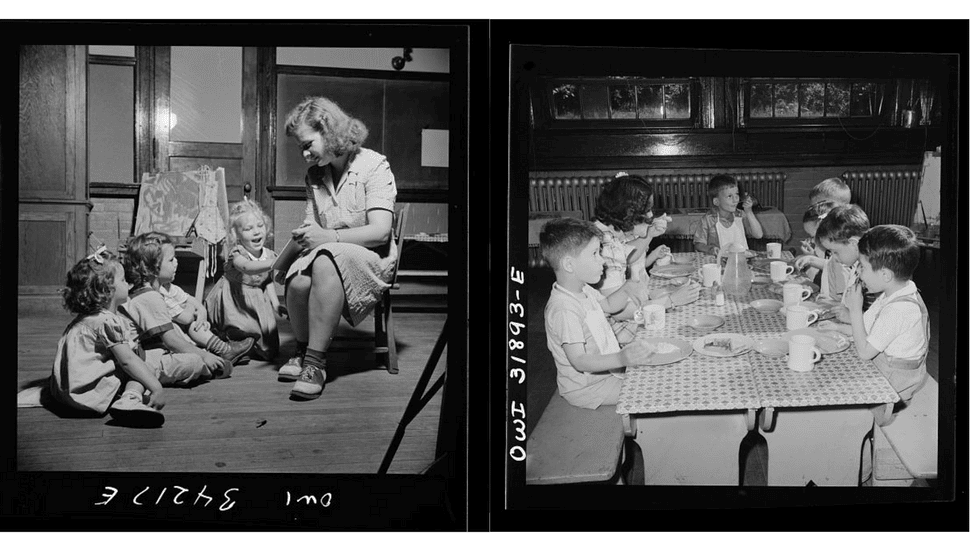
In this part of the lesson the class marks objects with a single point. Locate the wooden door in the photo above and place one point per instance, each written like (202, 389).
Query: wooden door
(53, 198)
(166, 151)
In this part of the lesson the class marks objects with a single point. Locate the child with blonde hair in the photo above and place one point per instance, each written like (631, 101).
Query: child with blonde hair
(831, 189)
(244, 302)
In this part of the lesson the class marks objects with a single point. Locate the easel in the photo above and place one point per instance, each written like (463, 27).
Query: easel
(420, 397)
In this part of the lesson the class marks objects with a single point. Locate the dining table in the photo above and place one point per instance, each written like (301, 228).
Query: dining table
(691, 415)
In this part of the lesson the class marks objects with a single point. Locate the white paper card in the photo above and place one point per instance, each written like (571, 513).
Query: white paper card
(435, 148)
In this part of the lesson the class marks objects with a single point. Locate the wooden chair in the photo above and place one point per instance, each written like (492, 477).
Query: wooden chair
(384, 334)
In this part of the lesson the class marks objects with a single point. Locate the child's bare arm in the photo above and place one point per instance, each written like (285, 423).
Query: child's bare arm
(199, 311)
(186, 316)
(176, 343)
(755, 228)
(854, 300)
(618, 301)
(638, 352)
(251, 267)
(136, 368)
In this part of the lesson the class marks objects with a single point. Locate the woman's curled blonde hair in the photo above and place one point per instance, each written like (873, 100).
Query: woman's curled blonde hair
(341, 132)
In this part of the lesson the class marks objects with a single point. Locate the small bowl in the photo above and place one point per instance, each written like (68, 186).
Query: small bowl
(774, 348)
(679, 281)
(706, 322)
(767, 305)
(685, 260)
(761, 279)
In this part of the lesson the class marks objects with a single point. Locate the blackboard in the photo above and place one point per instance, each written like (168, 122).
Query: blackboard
(395, 112)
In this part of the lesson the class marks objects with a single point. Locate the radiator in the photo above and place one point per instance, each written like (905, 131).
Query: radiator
(669, 190)
(886, 197)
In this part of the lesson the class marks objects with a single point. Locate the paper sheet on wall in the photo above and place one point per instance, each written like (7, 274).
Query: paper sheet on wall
(435, 148)
(929, 190)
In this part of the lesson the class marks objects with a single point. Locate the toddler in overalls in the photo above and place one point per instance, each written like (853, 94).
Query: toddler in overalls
(895, 329)
(726, 224)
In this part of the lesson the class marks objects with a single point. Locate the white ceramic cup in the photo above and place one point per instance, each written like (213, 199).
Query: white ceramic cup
(798, 317)
(794, 293)
(710, 273)
(779, 270)
(774, 250)
(652, 316)
(803, 353)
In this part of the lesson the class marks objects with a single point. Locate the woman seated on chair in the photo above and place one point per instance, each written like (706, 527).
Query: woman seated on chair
(348, 254)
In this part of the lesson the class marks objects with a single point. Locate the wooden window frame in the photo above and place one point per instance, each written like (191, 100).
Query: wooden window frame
(549, 120)
(883, 91)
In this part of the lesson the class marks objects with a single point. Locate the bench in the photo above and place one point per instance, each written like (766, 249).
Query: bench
(573, 445)
(906, 449)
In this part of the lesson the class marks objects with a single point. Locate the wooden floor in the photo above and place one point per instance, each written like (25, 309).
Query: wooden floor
(247, 423)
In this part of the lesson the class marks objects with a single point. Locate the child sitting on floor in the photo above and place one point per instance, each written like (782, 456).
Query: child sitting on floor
(587, 355)
(149, 257)
(831, 189)
(244, 303)
(192, 318)
(724, 224)
(99, 365)
(894, 331)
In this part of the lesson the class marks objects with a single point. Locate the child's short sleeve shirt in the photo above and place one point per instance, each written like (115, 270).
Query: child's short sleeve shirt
(175, 298)
(565, 323)
(705, 231)
(149, 315)
(614, 252)
(84, 374)
(895, 327)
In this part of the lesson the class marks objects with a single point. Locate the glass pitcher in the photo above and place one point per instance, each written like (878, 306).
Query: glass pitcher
(736, 278)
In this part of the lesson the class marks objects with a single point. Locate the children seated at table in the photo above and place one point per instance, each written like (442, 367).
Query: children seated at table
(587, 354)
(814, 257)
(624, 216)
(839, 233)
(894, 331)
(831, 189)
(724, 224)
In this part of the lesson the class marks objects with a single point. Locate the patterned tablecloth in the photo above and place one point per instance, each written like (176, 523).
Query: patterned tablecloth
(750, 380)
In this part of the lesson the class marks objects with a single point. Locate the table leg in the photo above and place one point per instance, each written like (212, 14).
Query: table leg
(768, 416)
(199, 289)
(691, 448)
(818, 444)
(751, 416)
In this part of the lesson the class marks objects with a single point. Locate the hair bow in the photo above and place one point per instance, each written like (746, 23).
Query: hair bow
(97, 255)
(621, 174)
(824, 215)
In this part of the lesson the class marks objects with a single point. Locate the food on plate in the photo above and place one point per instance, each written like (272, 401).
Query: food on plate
(665, 348)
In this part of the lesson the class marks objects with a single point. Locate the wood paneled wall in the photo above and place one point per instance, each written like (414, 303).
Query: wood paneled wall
(53, 199)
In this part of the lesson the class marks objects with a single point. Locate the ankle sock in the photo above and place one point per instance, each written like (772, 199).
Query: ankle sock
(216, 345)
(315, 358)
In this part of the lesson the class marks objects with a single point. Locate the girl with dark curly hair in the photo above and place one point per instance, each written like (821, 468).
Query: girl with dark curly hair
(99, 365)
(624, 215)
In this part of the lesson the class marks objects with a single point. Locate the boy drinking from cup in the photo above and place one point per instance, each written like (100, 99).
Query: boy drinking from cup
(894, 331)
(724, 226)
(587, 355)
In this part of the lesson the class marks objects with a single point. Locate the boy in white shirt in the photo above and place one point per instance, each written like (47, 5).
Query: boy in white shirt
(895, 329)
(724, 224)
(587, 355)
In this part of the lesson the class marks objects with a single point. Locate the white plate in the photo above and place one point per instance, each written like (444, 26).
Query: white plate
(671, 271)
(740, 344)
(706, 322)
(684, 350)
(774, 348)
(767, 305)
(828, 341)
(808, 306)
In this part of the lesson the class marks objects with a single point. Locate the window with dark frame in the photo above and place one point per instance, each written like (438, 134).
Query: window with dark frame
(810, 101)
(656, 101)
